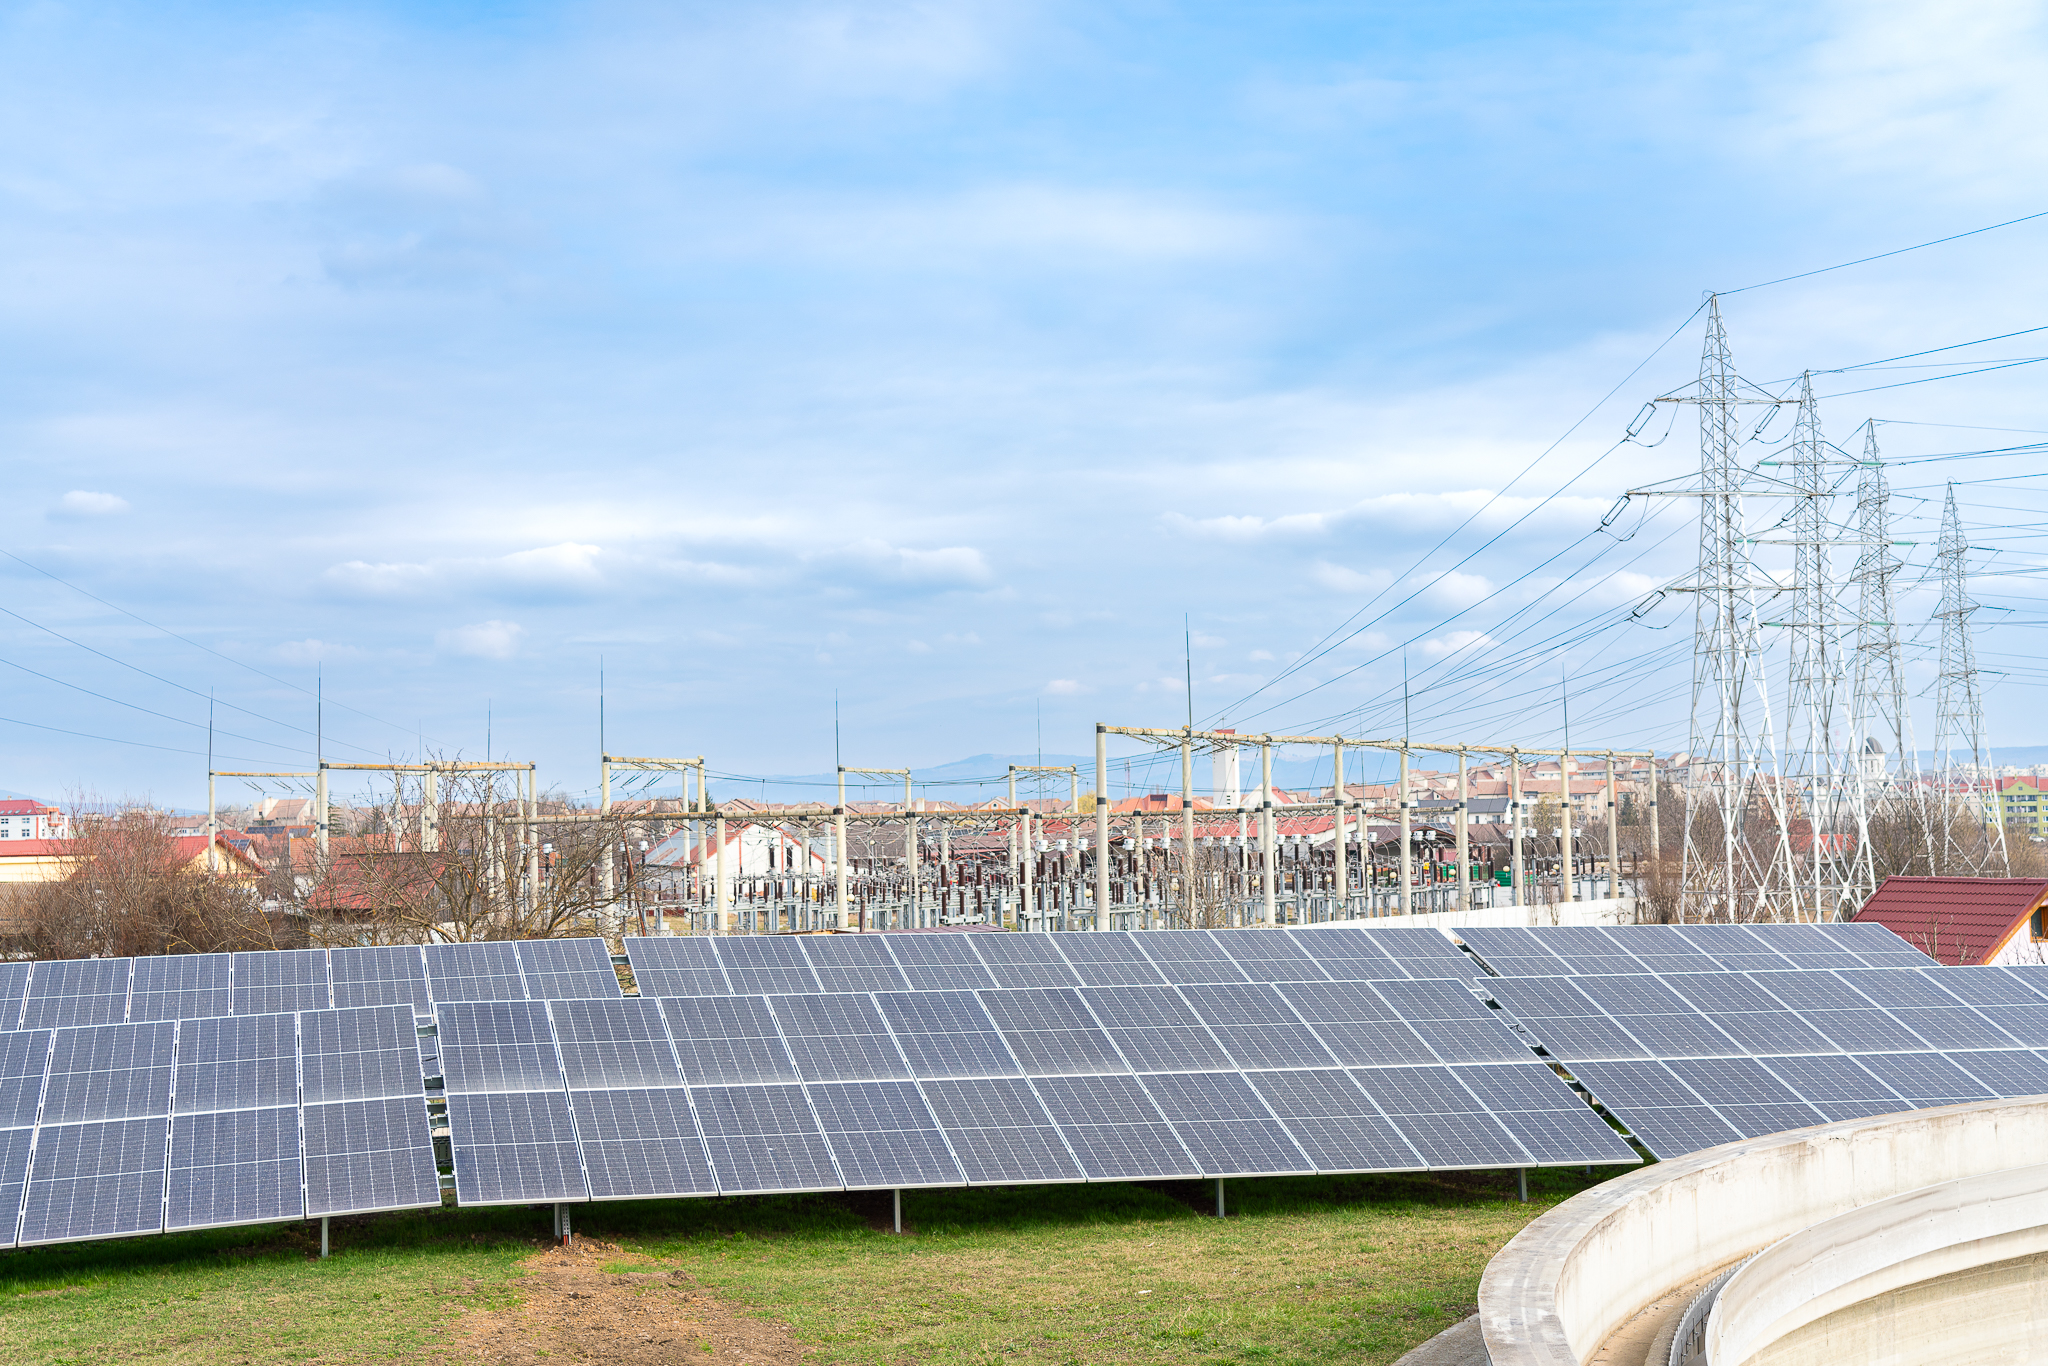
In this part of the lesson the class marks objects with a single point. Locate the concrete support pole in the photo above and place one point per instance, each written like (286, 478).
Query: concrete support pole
(1464, 842)
(1101, 827)
(320, 812)
(896, 1207)
(606, 875)
(1407, 855)
(430, 814)
(1028, 864)
(323, 1235)
(1656, 844)
(1564, 787)
(1519, 898)
(1187, 828)
(907, 917)
(1342, 872)
(1613, 833)
(212, 828)
(721, 894)
(839, 900)
(1219, 1197)
(1267, 854)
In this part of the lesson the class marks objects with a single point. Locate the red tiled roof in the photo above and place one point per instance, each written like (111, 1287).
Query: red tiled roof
(1956, 920)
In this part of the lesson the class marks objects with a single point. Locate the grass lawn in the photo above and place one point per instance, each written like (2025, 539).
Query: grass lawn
(1305, 1270)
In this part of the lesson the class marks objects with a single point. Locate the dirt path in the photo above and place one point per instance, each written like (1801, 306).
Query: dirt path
(574, 1310)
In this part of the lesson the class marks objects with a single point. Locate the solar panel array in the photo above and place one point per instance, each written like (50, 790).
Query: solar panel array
(89, 991)
(154, 1126)
(1053, 1080)
(1692, 1059)
(193, 1091)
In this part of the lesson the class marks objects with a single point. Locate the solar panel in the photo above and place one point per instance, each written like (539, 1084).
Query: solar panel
(1455, 1025)
(1751, 1016)
(883, 1134)
(1563, 1019)
(613, 1042)
(96, 1180)
(13, 988)
(1195, 956)
(1336, 1125)
(1589, 948)
(239, 1062)
(999, 1132)
(1343, 953)
(514, 1147)
(474, 972)
(1051, 1032)
(1257, 1027)
(938, 962)
(727, 1040)
(1513, 951)
(381, 975)
(1440, 1117)
(1748, 1095)
(1155, 1030)
(1836, 1086)
(1356, 1025)
(1926, 1079)
(1954, 1026)
(369, 1155)
(1875, 945)
(366, 1053)
(1806, 946)
(676, 967)
(1226, 1126)
(497, 1046)
(641, 1143)
(946, 1034)
(1982, 986)
(290, 979)
(838, 1037)
(110, 1072)
(1268, 955)
(24, 1059)
(1114, 1129)
(2008, 1072)
(1839, 1012)
(1106, 959)
(1661, 948)
(1733, 947)
(559, 969)
(234, 1167)
(14, 1149)
(765, 963)
(1890, 987)
(852, 962)
(1666, 1115)
(77, 991)
(1023, 960)
(763, 1139)
(1545, 1115)
(183, 986)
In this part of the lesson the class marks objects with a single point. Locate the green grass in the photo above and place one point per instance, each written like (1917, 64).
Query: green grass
(1305, 1271)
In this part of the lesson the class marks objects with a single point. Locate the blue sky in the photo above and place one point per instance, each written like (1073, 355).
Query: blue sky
(942, 356)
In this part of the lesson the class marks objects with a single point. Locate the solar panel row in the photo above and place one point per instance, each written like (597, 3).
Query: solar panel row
(1690, 1060)
(811, 1091)
(161, 1125)
(88, 991)
(1571, 950)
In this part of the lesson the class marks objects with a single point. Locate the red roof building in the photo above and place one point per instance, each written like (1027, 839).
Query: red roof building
(1963, 920)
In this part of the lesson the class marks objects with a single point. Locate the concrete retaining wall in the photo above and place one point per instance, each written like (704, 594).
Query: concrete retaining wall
(1848, 1270)
(1555, 1293)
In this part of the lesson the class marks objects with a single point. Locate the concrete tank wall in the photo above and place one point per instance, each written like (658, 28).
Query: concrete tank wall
(1554, 1293)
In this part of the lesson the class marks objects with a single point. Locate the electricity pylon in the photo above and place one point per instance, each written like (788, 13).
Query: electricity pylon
(1959, 714)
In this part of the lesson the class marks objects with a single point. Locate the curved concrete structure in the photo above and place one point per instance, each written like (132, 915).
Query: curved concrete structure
(1565, 1283)
(1819, 1294)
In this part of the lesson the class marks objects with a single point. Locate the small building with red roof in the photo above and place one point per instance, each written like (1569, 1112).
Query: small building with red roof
(1965, 920)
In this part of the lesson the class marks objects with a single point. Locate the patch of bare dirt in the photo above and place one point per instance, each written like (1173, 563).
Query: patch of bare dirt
(572, 1309)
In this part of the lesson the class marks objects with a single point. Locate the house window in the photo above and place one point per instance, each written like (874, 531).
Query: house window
(2036, 927)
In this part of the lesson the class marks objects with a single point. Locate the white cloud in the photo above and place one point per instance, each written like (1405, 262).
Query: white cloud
(878, 562)
(312, 652)
(1459, 590)
(1248, 528)
(1260, 654)
(81, 503)
(1344, 579)
(482, 640)
(1455, 642)
(1066, 687)
(567, 567)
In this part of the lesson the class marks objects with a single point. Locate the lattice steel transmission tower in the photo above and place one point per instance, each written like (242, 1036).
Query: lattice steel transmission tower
(1878, 692)
(1816, 730)
(1959, 714)
(1736, 863)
